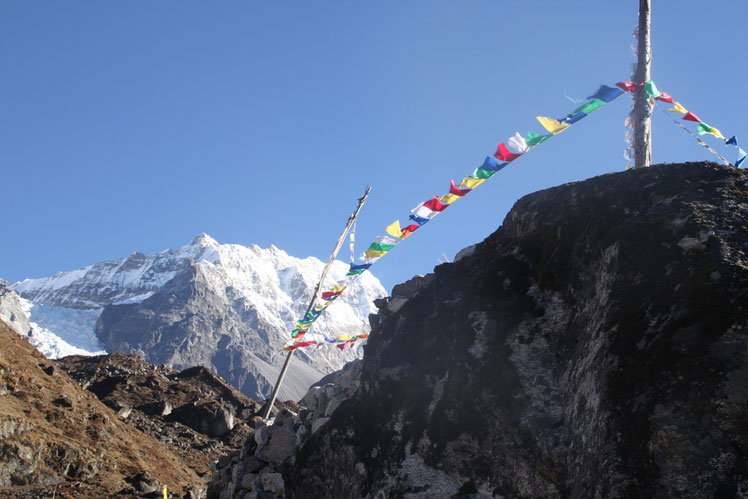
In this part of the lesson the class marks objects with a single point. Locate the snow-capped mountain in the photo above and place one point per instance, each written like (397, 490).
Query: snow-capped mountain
(225, 306)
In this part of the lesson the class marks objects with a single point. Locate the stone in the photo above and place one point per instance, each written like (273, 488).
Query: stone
(273, 482)
(302, 433)
(318, 424)
(284, 417)
(333, 405)
(280, 445)
(261, 435)
(249, 481)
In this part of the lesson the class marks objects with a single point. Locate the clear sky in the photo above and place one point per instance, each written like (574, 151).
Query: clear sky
(137, 125)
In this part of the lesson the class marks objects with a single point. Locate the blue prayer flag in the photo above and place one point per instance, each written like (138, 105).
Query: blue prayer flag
(606, 93)
(418, 220)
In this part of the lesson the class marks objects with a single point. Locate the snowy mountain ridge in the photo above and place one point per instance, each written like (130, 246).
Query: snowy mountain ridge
(252, 295)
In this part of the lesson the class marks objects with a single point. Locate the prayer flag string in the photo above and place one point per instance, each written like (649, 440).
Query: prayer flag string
(427, 210)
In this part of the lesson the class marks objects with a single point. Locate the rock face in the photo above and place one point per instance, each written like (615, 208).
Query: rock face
(223, 306)
(59, 440)
(596, 345)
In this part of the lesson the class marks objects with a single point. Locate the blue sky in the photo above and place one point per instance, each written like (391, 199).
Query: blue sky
(135, 126)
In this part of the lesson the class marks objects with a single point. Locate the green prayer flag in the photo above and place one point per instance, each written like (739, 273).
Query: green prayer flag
(534, 139)
(590, 106)
(380, 247)
(651, 89)
(703, 128)
(481, 173)
(356, 272)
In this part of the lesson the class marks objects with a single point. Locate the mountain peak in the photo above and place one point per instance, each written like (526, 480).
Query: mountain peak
(203, 240)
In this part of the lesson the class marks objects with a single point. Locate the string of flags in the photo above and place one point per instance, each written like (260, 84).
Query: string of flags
(506, 152)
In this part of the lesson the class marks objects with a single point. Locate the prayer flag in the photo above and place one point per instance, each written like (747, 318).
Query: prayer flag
(356, 268)
(374, 253)
(628, 86)
(370, 260)
(449, 198)
(505, 154)
(424, 212)
(518, 143)
(300, 344)
(380, 247)
(589, 107)
(471, 183)
(741, 157)
(491, 165)
(665, 97)
(691, 117)
(394, 229)
(677, 108)
(434, 204)
(651, 89)
(454, 190)
(732, 140)
(391, 241)
(552, 125)
(410, 229)
(535, 139)
(704, 128)
(483, 174)
(570, 119)
(418, 220)
(606, 93)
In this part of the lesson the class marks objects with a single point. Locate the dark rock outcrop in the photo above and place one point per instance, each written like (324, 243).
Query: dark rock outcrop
(193, 411)
(594, 346)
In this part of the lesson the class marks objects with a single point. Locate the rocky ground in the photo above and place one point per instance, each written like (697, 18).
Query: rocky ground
(113, 425)
(255, 471)
(194, 411)
(57, 439)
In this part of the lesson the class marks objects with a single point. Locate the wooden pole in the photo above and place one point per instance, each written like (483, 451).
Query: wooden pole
(330, 261)
(642, 112)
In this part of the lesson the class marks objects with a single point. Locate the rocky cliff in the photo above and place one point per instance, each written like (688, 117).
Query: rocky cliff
(596, 345)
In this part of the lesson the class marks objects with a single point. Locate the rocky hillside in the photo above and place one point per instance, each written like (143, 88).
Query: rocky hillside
(59, 440)
(194, 412)
(596, 345)
(224, 306)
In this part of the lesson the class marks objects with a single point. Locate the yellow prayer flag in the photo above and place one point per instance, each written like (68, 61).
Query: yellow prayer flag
(717, 133)
(373, 254)
(449, 198)
(337, 288)
(471, 183)
(552, 125)
(394, 229)
(677, 108)
(344, 338)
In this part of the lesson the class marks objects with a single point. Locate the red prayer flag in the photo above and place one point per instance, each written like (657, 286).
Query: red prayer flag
(435, 205)
(302, 344)
(627, 86)
(454, 190)
(410, 228)
(665, 97)
(505, 154)
(330, 294)
(691, 117)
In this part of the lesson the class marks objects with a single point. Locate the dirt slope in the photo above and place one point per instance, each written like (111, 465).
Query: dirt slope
(57, 438)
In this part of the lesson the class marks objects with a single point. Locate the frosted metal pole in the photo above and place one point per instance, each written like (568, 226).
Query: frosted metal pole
(334, 253)
(642, 112)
